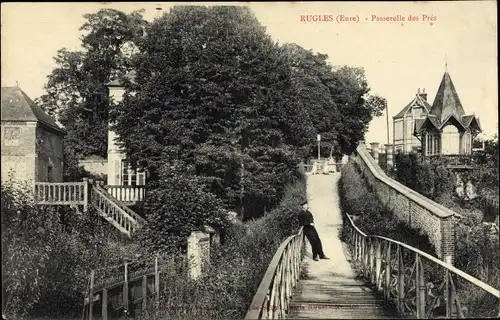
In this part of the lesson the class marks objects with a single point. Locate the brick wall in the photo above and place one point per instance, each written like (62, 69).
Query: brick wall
(436, 221)
(49, 149)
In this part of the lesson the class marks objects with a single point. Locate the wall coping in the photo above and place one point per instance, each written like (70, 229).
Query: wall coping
(432, 206)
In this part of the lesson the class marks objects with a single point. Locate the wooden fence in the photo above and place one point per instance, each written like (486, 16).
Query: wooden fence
(126, 294)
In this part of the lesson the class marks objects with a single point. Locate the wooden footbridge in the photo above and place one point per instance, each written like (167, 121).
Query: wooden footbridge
(368, 277)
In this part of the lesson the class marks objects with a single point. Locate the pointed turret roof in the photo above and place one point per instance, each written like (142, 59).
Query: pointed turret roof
(447, 101)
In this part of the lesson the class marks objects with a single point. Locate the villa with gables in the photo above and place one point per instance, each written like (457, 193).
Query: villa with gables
(442, 128)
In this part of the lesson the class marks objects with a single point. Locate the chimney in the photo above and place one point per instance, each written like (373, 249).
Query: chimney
(158, 11)
(423, 95)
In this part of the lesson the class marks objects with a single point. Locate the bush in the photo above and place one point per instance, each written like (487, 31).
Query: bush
(47, 254)
(372, 217)
(177, 205)
(237, 268)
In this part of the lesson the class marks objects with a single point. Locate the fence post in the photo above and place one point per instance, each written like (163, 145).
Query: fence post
(387, 287)
(157, 283)
(85, 194)
(91, 295)
(420, 288)
(125, 290)
(378, 264)
(401, 280)
(144, 292)
(104, 304)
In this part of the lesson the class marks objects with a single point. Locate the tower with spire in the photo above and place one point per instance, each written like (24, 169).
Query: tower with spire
(441, 129)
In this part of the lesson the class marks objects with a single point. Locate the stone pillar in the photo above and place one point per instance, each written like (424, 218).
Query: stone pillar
(374, 146)
(369, 151)
(389, 152)
(198, 253)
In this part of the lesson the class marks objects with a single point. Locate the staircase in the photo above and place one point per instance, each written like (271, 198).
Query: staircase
(87, 193)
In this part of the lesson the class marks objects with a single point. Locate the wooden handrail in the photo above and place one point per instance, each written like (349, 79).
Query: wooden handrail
(61, 193)
(115, 212)
(403, 280)
(275, 290)
(121, 205)
(126, 193)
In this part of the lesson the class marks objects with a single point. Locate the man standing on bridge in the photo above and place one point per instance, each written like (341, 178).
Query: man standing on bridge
(306, 220)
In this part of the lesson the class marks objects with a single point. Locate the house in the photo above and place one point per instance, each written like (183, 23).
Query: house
(119, 172)
(441, 129)
(32, 142)
(404, 123)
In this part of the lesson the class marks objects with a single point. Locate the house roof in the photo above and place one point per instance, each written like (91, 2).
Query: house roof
(417, 101)
(17, 106)
(447, 101)
(130, 76)
(420, 123)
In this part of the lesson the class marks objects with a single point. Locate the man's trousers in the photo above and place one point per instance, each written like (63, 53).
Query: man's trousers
(313, 237)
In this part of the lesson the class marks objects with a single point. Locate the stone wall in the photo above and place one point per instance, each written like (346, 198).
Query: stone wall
(95, 166)
(436, 221)
(49, 149)
(19, 151)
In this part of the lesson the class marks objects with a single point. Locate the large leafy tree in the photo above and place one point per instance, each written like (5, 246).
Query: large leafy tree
(76, 92)
(336, 101)
(213, 91)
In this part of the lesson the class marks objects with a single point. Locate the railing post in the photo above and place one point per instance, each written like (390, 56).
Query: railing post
(378, 265)
(125, 289)
(420, 281)
(372, 255)
(387, 287)
(85, 194)
(144, 292)
(157, 283)
(401, 281)
(365, 257)
(104, 304)
(91, 295)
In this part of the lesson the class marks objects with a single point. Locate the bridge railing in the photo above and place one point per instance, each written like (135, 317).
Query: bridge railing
(417, 283)
(271, 301)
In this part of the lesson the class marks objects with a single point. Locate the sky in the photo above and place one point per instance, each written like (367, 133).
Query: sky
(399, 57)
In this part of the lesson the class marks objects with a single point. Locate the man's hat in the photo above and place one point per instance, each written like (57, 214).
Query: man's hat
(303, 202)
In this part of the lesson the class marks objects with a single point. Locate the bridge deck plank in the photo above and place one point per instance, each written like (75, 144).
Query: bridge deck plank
(331, 289)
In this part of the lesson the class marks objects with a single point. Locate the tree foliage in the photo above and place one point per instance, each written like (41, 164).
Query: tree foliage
(212, 90)
(76, 92)
(336, 101)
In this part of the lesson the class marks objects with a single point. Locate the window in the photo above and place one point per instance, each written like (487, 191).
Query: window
(131, 177)
(125, 173)
(49, 174)
(450, 140)
(467, 142)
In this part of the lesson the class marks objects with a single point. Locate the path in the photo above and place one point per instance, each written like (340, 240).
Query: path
(331, 289)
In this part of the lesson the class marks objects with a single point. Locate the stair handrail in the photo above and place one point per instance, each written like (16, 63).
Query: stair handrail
(381, 260)
(282, 275)
(120, 204)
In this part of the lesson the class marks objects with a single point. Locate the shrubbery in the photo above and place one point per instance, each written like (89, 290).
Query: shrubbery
(476, 248)
(47, 254)
(177, 205)
(236, 269)
(372, 217)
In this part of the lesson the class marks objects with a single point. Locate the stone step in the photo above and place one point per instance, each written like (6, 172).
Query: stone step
(340, 314)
